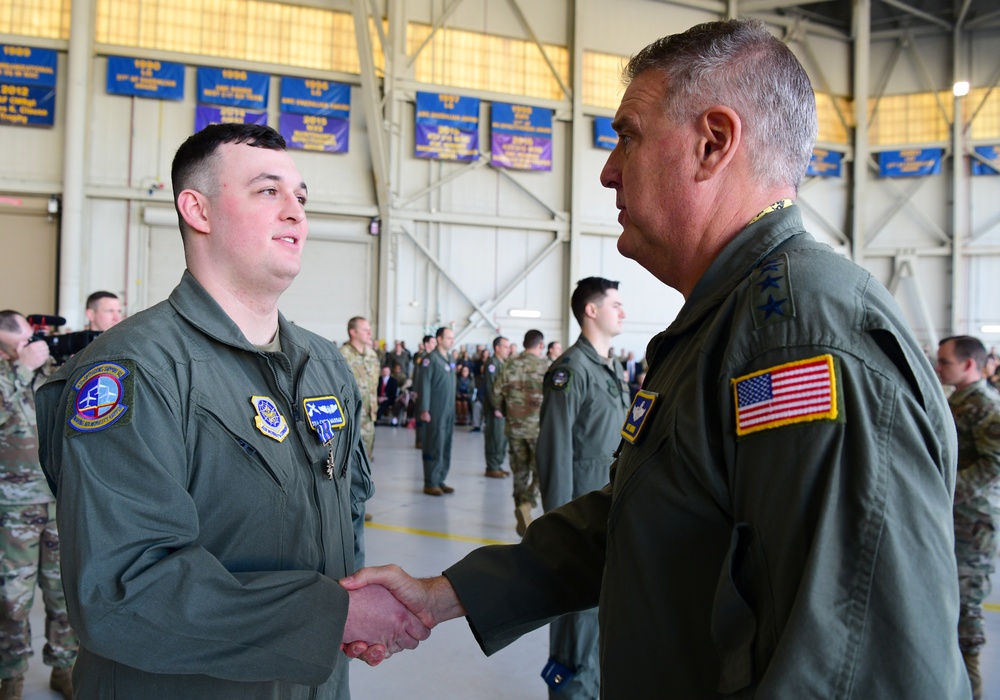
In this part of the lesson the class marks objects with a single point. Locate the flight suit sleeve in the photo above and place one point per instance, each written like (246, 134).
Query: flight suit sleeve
(140, 588)
(562, 395)
(975, 480)
(821, 594)
(510, 590)
(425, 384)
(497, 392)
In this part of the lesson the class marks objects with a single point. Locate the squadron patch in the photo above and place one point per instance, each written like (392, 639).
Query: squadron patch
(426, 362)
(491, 368)
(324, 415)
(796, 392)
(638, 415)
(268, 420)
(101, 395)
(560, 378)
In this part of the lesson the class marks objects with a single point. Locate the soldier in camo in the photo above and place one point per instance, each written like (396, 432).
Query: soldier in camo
(495, 439)
(364, 364)
(29, 549)
(517, 395)
(976, 408)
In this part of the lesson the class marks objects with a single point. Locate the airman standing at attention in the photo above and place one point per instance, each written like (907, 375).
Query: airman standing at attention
(494, 434)
(437, 411)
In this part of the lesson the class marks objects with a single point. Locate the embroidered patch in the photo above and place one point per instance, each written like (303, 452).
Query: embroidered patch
(771, 300)
(638, 414)
(560, 378)
(426, 362)
(491, 369)
(324, 415)
(795, 392)
(100, 398)
(268, 420)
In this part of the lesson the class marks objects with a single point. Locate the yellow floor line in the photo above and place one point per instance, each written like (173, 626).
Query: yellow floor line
(992, 607)
(431, 533)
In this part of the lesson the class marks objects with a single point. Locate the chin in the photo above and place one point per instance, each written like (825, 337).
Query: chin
(627, 244)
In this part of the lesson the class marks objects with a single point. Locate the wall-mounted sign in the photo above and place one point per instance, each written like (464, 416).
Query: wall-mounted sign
(311, 132)
(521, 137)
(604, 136)
(825, 163)
(910, 162)
(207, 114)
(144, 77)
(447, 127)
(27, 65)
(233, 88)
(311, 96)
(990, 153)
(27, 105)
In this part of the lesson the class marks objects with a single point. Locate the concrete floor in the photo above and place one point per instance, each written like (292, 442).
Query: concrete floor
(424, 535)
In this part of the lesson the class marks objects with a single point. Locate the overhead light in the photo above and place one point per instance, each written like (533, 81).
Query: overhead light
(961, 88)
(989, 329)
(524, 313)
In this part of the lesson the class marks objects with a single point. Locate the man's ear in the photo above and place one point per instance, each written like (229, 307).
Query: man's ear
(720, 132)
(193, 206)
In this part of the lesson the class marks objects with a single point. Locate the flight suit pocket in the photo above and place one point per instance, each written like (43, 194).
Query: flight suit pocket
(734, 620)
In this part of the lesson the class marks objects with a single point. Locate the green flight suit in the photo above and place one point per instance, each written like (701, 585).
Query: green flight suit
(203, 532)
(437, 395)
(494, 433)
(585, 403)
(812, 559)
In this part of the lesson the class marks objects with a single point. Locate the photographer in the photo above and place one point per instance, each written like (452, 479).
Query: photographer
(30, 543)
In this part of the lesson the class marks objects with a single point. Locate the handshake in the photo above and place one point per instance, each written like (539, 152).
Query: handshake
(390, 611)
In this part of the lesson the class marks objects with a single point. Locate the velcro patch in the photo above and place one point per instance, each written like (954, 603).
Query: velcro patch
(103, 396)
(324, 415)
(560, 378)
(638, 415)
(795, 392)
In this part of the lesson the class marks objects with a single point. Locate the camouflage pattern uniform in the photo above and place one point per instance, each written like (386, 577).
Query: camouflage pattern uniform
(29, 550)
(976, 409)
(365, 368)
(517, 392)
(495, 440)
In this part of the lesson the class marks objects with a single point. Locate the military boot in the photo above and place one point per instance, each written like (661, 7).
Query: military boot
(12, 688)
(523, 515)
(975, 678)
(61, 681)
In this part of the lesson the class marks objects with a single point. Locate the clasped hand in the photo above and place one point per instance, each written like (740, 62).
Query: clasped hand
(391, 611)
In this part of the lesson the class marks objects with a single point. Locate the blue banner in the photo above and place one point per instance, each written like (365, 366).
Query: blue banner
(26, 65)
(604, 136)
(447, 127)
(521, 137)
(910, 162)
(825, 163)
(207, 114)
(143, 77)
(312, 132)
(310, 96)
(27, 105)
(990, 153)
(233, 88)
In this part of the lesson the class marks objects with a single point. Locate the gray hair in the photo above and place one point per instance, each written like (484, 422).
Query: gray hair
(739, 64)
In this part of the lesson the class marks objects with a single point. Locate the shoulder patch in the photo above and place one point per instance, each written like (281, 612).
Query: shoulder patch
(426, 362)
(795, 392)
(103, 396)
(771, 298)
(560, 378)
(638, 415)
(491, 368)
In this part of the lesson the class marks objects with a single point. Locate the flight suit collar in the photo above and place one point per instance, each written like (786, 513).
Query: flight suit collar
(733, 264)
(200, 309)
(588, 349)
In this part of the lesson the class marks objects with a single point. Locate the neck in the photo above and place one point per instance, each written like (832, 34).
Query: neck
(357, 345)
(601, 342)
(255, 315)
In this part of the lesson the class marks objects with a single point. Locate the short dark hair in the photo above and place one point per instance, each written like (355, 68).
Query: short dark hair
(192, 169)
(440, 332)
(589, 290)
(8, 320)
(97, 296)
(533, 338)
(551, 345)
(968, 348)
(352, 324)
(426, 338)
(496, 341)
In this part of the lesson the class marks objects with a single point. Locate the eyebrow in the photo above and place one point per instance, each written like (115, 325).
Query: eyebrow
(623, 122)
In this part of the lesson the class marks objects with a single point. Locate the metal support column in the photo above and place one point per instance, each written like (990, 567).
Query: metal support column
(861, 30)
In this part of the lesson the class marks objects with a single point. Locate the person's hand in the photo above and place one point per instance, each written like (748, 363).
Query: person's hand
(378, 625)
(498, 413)
(33, 355)
(432, 600)
(425, 416)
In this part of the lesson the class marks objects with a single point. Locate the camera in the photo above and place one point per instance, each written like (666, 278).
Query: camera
(64, 346)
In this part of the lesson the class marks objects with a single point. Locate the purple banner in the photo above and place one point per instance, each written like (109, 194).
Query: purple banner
(207, 114)
(521, 152)
(310, 132)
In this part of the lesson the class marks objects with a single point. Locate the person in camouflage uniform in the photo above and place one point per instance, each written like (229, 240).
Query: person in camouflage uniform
(517, 394)
(495, 439)
(364, 364)
(29, 551)
(976, 408)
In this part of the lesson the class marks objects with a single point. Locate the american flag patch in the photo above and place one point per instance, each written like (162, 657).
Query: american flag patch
(791, 393)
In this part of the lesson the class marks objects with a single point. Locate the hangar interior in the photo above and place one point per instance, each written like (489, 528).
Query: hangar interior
(414, 243)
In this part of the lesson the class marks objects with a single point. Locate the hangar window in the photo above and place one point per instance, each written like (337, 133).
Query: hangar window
(42, 18)
(602, 79)
(252, 30)
(909, 119)
(983, 107)
(478, 61)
